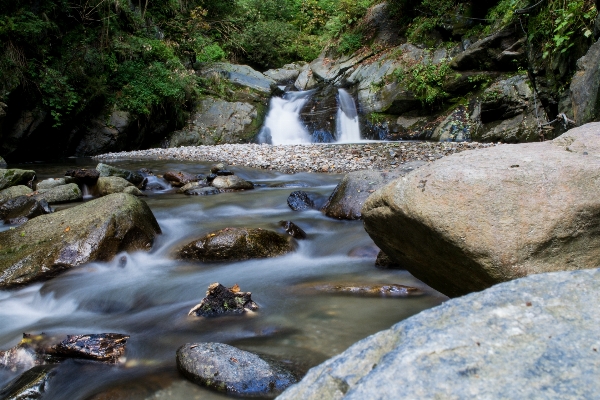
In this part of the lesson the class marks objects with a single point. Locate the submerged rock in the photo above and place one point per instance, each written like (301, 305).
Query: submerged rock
(300, 200)
(23, 208)
(475, 219)
(84, 176)
(202, 191)
(179, 178)
(535, 337)
(13, 177)
(293, 230)
(97, 230)
(385, 290)
(220, 300)
(109, 170)
(60, 194)
(231, 182)
(235, 244)
(30, 385)
(228, 369)
(350, 194)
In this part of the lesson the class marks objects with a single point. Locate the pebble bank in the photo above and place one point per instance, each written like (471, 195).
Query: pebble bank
(326, 158)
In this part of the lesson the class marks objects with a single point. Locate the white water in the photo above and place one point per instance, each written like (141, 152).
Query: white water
(347, 127)
(283, 125)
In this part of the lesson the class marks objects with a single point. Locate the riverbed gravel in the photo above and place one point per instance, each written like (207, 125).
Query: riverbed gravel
(324, 158)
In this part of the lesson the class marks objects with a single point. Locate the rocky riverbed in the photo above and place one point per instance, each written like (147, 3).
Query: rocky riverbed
(333, 158)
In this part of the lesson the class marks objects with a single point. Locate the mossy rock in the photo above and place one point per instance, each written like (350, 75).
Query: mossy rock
(108, 170)
(13, 177)
(235, 244)
(13, 191)
(112, 184)
(61, 194)
(95, 231)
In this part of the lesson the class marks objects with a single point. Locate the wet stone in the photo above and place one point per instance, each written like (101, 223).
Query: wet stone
(236, 372)
(293, 230)
(236, 244)
(84, 176)
(23, 208)
(179, 178)
(231, 182)
(220, 300)
(202, 191)
(130, 176)
(300, 200)
(32, 384)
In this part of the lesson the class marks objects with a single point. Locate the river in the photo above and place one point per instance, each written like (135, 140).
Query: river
(149, 297)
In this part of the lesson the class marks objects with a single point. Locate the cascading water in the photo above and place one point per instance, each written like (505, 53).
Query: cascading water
(347, 128)
(283, 125)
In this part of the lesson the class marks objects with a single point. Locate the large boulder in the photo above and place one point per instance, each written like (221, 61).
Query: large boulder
(97, 230)
(286, 74)
(12, 177)
(231, 244)
(239, 75)
(50, 183)
(535, 337)
(474, 219)
(83, 176)
(104, 134)
(350, 194)
(217, 121)
(60, 194)
(228, 369)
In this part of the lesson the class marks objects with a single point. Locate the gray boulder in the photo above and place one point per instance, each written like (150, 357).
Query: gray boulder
(60, 194)
(477, 218)
(2, 162)
(231, 182)
(584, 86)
(202, 191)
(240, 75)
(109, 170)
(12, 177)
(13, 191)
(231, 244)
(350, 194)
(506, 111)
(535, 337)
(228, 369)
(50, 183)
(112, 184)
(286, 74)
(97, 230)
(217, 121)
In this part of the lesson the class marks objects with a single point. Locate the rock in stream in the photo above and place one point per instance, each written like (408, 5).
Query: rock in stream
(220, 300)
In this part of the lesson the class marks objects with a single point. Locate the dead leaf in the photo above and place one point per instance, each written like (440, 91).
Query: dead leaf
(235, 288)
(67, 229)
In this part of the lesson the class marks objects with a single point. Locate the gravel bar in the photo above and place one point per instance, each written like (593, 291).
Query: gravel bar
(325, 158)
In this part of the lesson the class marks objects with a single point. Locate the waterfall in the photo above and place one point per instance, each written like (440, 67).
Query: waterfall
(347, 129)
(283, 125)
(85, 191)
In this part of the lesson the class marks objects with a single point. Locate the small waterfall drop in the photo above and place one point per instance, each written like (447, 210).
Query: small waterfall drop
(283, 125)
(85, 191)
(347, 128)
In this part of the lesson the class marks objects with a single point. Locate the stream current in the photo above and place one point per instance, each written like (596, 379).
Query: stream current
(149, 297)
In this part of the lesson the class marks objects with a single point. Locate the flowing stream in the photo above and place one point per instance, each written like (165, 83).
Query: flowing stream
(150, 295)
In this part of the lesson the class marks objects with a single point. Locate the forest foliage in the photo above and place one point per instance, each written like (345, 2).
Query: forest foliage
(137, 55)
